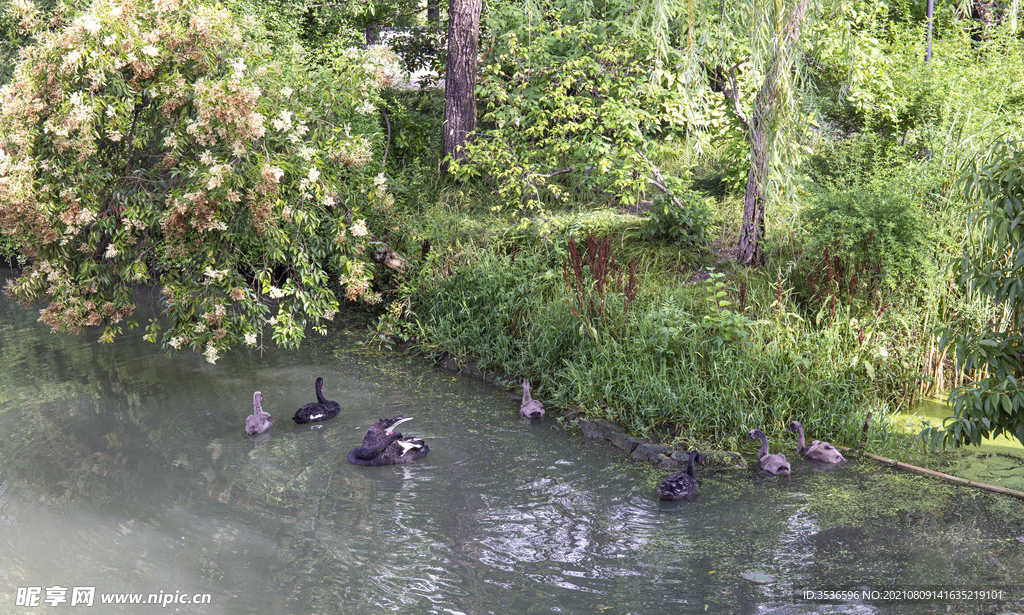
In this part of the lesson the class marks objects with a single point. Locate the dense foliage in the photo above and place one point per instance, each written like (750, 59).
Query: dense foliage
(990, 269)
(233, 156)
(867, 244)
(149, 142)
(567, 98)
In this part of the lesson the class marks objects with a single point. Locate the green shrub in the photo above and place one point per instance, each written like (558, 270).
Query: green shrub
(413, 122)
(133, 151)
(686, 225)
(866, 243)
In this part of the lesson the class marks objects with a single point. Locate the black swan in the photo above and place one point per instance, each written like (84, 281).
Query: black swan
(679, 486)
(817, 450)
(321, 410)
(530, 408)
(381, 446)
(775, 464)
(259, 421)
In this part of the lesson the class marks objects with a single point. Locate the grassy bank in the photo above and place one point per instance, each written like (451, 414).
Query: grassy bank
(666, 339)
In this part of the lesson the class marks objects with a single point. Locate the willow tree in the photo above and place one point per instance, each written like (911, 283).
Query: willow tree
(751, 53)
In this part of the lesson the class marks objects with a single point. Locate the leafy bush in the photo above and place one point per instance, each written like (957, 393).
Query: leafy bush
(414, 121)
(148, 142)
(686, 225)
(866, 243)
(990, 350)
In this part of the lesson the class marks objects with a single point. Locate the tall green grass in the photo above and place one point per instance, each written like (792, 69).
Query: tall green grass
(688, 364)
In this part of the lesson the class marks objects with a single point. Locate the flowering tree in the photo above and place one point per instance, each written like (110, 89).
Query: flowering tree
(146, 142)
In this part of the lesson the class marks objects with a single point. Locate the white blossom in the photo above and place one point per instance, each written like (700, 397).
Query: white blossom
(250, 339)
(111, 251)
(211, 354)
(91, 24)
(359, 228)
(284, 122)
(85, 217)
(366, 107)
(151, 51)
(287, 91)
(314, 174)
(215, 274)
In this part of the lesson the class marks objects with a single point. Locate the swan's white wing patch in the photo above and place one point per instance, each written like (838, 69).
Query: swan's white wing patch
(407, 446)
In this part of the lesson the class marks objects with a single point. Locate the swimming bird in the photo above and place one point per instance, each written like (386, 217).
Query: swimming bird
(775, 464)
(530, 408)
(381, 446)
(321, 410)
(679, 486)
(816, 450)
(259, 421)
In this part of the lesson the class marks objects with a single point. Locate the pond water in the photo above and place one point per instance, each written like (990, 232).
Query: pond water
(127, 471)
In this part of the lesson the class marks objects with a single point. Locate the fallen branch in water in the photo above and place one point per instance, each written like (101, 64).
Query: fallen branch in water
(955, 479)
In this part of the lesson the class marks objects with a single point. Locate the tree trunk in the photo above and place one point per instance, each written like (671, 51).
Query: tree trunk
(765, 105)
(752, 233)
(460, 76)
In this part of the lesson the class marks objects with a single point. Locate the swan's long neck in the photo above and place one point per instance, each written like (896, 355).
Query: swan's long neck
(391, 429)
(689, 465)
(320, 392)
(526, 392)
(764, 445)
(256, 407)
(800, 438)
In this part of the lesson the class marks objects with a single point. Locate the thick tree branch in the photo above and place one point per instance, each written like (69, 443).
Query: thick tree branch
(733, 92)
(658, 181)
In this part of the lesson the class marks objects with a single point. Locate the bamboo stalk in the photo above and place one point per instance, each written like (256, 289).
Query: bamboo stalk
(940, 373)
(955, 479)
(927, 367)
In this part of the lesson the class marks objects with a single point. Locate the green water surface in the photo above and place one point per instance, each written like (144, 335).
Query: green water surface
(129, 471)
